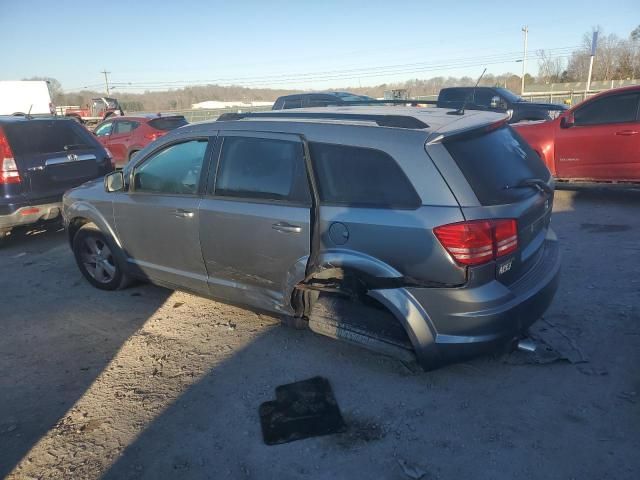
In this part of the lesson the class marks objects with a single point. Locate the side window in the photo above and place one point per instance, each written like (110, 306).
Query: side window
(292, 103)
(124, 127)
(262, 168)
(173, 170)
(363, 177)
(483, 97)
(104, 129)
(612, 109)
(453, 95)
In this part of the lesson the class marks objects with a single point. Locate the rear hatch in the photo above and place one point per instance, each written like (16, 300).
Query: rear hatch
(510, 181)
(54, 155)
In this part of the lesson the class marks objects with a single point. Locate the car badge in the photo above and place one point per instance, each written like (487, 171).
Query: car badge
(72, 157)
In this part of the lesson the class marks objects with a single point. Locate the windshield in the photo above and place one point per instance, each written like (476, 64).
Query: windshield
(509, 95)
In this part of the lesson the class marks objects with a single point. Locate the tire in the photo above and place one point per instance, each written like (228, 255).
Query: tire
(99, 259)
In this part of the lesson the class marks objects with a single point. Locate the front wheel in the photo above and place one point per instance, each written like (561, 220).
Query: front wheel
(98, 260)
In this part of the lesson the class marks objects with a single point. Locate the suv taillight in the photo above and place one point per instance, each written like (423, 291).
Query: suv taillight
(479, 241)
(154, 136)
(8, 168)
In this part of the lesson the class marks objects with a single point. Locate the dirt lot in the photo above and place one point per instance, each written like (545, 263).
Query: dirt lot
(147, 383)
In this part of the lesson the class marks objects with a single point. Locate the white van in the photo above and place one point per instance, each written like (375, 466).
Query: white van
(26, 97)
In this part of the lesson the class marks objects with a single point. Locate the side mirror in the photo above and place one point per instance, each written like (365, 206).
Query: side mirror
(567, 121)
(114, 182)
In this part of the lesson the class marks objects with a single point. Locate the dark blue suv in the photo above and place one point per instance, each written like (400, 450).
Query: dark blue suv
(41, 158)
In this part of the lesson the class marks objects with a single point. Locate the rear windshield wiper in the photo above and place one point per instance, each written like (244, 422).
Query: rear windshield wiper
(536, 183)
(75, 146)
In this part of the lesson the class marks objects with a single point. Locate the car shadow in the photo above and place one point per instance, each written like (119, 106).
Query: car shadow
(212, 429)
(57, 334)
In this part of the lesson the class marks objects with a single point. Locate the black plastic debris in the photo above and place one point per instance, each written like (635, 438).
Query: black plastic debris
(301, 410)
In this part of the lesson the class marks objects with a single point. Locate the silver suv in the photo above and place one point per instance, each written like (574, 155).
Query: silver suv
(413, 231)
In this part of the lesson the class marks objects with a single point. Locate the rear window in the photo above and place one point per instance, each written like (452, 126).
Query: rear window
(168, 123)
(494, 161)
(452, 95)
(364, 177)
(47, 136)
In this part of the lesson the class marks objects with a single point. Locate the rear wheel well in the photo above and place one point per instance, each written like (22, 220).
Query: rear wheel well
(348, 284)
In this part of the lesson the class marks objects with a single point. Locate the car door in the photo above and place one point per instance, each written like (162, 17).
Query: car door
(604, 141)
(120, 140)
(157, 218)
(255, 220)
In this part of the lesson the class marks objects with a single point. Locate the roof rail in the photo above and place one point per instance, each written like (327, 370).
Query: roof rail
(396, 121)
(409, 101)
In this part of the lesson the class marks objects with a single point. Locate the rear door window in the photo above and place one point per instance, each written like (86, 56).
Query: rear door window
(47, 136)
(124, 126)
(610, 109)
(453, 95)
(361, 177)
(495, 161)
(262, 168)
(292, 103)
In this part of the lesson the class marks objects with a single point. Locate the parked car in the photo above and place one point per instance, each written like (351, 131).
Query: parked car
(597, 140)
(497, 99)
(40, 159)
(316, 99)
(125, 136)
(385, 226)
(26, 97)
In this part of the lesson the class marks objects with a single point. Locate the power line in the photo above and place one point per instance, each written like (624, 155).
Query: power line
(338, 74)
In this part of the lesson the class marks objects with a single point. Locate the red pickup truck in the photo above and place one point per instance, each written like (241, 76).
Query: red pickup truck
(598, 140)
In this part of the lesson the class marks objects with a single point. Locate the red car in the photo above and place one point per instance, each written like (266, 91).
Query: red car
(124, 136)
(598, 140)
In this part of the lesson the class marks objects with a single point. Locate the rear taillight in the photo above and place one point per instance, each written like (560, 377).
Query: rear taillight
(154, 136)
(8, 168)
(479, 241)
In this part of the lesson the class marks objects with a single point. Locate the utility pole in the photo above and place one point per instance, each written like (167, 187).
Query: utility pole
(594, 45)
(106, 79)
(525, 30)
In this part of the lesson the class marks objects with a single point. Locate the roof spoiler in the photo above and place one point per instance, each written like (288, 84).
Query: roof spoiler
(438, 137)
(395, 121)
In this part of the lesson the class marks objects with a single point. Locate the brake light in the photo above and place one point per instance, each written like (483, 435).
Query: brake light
(478, 241)
(8, 168)
(154, 136)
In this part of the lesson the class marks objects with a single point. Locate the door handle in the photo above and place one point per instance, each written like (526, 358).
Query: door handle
(181, 213)
(286, 227)
(627, 132)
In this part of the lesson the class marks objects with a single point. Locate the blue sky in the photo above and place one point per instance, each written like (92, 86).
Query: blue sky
(276, 43)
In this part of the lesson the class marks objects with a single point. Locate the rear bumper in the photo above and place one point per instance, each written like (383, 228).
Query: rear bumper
(30, 214)
(451, 324)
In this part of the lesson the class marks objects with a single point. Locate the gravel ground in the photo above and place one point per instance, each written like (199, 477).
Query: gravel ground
(148, 383)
